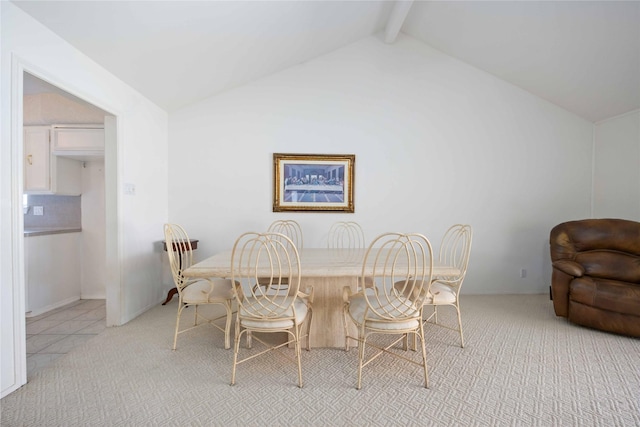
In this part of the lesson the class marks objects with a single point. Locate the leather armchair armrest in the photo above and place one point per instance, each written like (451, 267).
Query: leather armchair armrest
(571, 268)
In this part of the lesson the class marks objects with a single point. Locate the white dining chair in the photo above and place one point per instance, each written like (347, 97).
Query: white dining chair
(195, 292)
(289, 228)
(455, 251)
(401, 267)
(346, 235)
(273, 258)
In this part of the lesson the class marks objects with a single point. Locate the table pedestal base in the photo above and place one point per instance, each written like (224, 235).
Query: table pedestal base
(327, 328)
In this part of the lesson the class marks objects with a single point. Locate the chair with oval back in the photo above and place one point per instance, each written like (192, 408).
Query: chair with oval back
(289, 228)
(454, 251)
(401, 267)
(195, 292)
(346, 235)
(273, 258)
(292, 230)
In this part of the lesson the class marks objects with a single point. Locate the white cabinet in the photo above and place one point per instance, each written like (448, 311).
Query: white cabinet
(37, 159)
(84, 142)
(45, 173)
(52, 271)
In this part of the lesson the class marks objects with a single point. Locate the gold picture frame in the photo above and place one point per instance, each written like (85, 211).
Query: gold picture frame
(313, 182)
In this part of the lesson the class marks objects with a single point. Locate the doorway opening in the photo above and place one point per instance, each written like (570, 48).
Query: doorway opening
(65, 214)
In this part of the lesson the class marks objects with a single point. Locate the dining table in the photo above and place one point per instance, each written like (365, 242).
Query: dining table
(327, 271)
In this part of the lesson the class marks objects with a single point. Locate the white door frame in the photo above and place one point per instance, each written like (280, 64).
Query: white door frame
(113, 236)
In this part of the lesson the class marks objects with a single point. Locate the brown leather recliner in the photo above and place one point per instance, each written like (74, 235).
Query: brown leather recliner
(596, 274)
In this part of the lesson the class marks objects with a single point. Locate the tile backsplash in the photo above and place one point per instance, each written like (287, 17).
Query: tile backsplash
(58, 211)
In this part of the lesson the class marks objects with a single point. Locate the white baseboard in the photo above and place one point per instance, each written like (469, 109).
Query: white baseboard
(95, 296)
(50, 307)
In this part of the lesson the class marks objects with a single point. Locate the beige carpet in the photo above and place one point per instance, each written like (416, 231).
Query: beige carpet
(522, 366)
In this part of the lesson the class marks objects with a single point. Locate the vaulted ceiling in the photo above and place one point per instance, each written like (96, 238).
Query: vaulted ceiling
(583, 56)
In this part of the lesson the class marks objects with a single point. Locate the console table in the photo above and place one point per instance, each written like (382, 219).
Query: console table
(194, 245)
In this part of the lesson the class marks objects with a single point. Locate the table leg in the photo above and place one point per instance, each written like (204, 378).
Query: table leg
(170, 295)
(174, 291)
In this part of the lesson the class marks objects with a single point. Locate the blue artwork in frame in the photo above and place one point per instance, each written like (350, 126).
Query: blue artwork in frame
(313, 182)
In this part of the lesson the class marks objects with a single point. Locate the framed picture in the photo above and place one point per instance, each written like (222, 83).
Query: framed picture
(313, 182)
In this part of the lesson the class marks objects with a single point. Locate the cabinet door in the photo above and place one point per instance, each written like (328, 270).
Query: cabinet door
(37, 159)
(78, 139)
(53, 271)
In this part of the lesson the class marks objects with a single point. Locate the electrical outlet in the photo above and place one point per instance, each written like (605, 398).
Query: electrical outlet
(38, 210)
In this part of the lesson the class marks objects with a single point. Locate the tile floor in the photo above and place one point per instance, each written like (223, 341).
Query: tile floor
(54, 333)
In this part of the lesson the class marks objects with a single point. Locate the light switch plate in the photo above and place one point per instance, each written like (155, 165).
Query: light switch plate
(129, 189)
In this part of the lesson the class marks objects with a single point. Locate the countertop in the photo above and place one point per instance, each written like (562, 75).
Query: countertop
(42, 231)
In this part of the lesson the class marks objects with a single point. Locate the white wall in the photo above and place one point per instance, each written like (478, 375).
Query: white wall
(616, 190)
(140, 159)
(93, 269)
(436, 142)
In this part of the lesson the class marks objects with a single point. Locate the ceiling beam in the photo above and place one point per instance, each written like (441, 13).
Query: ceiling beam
(396, 19)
